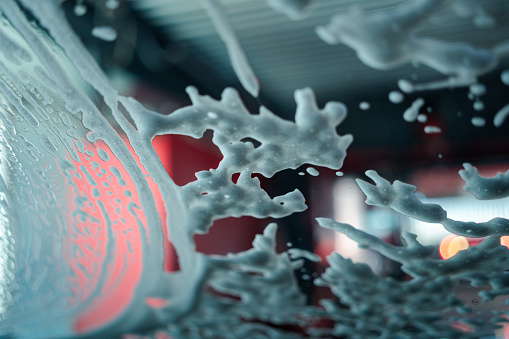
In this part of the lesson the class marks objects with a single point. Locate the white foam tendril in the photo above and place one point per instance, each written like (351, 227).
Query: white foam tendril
(237, 56)
(496, 187)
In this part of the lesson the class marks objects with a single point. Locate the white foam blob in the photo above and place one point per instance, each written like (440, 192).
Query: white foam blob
(478, 105)
(405, 86)
(364, 105)
(477, 89)
(504, 76)
(411, 112)
(106, 33)
(422, 118)
(312, 171)
(396, 97)
(500, 116)
(432, 129)
(80, 9)
(478, 121)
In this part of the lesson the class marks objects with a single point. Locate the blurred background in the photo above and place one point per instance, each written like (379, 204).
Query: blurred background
(154, 49)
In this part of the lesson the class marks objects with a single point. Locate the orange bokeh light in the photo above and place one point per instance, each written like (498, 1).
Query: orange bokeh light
(451, 245)
(504, 241)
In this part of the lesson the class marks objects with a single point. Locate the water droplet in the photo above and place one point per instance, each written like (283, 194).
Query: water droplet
(504, 76)
(80, 10)
(478, 121)
(364, 105)
(312, 171)
(106, 33)
(432, 129)
(396, 97)
(422, 118)
(478, 105)
(477, 89)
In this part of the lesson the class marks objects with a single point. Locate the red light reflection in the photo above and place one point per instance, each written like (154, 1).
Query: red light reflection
(106, 222)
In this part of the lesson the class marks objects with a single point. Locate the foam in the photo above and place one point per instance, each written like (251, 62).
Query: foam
(294, 9)
(238, 59)
(67, 174)
(387, 39)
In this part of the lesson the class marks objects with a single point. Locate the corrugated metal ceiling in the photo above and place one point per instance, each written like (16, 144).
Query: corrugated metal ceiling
(287, 54)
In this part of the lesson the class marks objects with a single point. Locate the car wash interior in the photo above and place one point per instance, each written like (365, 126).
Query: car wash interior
(265, 169)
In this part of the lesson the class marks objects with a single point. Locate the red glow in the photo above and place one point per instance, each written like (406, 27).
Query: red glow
(89, 238)
(110, 292)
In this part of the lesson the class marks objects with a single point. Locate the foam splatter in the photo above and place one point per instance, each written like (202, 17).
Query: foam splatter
(387, 39)
(238, 59)
(68, 175)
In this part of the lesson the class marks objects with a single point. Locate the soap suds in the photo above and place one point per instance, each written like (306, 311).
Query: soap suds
(432, 129)
(396, 97)
(312, 171)
(500, 116)
(504, 77)
(106, 33)
(387, 39)
(69, 179)
(478, 105)
(478, 121)
(364, 105)
(412, 112)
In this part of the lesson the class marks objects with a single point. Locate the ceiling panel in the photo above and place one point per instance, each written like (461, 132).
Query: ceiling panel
(286, 54)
